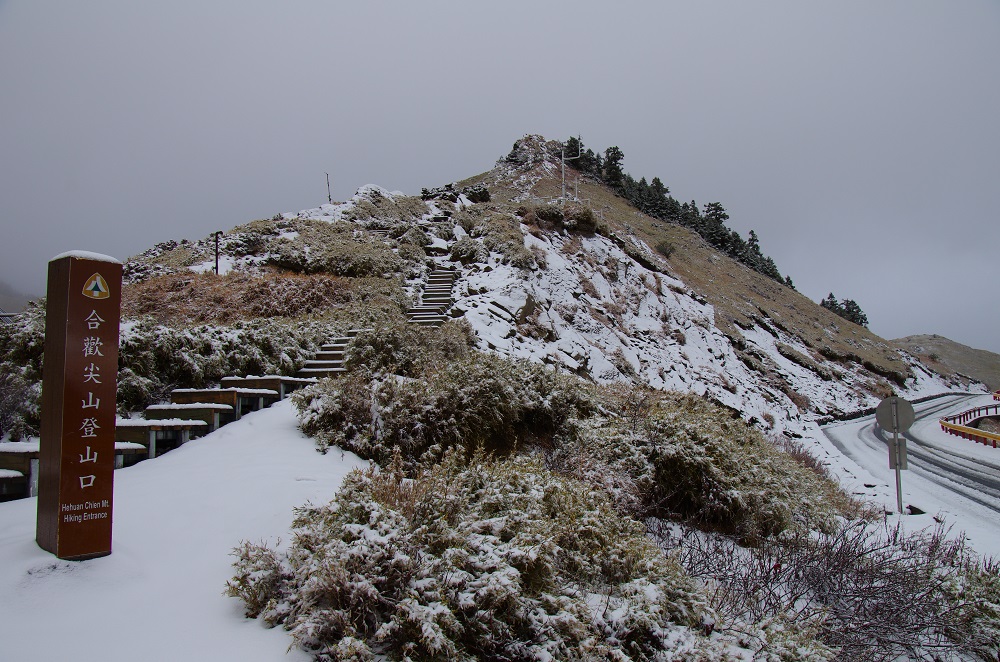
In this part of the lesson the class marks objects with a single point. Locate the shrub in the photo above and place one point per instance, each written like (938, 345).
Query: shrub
(502, 234)
(154, 358)
(21, 348)
(686, 458)
(342, 257)
(416, 236)
(376, 207)
(665, 248)
(19, 406)
(468, 251)
(472, 400)
(406, 349)
(496, 560)
(334, 248)
(864, 591)
(580, 219)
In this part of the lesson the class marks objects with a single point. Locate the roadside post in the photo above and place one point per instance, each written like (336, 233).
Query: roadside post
(79, 384)
(896, 414)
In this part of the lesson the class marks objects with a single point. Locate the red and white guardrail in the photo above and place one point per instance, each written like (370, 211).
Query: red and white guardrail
(954, 424)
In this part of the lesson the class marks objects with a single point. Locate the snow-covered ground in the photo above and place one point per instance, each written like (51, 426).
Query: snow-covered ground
(159, 595)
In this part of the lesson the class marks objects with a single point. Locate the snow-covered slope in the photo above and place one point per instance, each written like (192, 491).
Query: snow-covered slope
(159, 595)
(594, 309)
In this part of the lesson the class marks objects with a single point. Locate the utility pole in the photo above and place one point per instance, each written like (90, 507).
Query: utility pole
(329, 196)
(217, 233)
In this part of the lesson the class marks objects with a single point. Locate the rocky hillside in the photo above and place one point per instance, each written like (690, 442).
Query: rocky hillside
(951, 358)
(586, 283)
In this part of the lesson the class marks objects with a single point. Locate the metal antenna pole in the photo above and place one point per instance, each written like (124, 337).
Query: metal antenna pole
(579, 152)
(329, 197)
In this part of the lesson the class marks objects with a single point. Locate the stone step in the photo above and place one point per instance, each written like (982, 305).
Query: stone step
(329, 355)
(334, 346)
(321, 372)
(323, 364)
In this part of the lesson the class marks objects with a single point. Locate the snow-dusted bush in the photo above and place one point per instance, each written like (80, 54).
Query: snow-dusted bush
(475, 399)
(21, 346)
(376, 207)
(862, 591)
(468, 251)
(416, 236)
(398, 347)
(334, 248)
(574, 218)
(480, 560)
(154, 358)
(502, 234)
(19, 405)
(680, 456)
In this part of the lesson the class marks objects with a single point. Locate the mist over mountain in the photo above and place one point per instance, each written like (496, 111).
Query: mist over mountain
(12, 300)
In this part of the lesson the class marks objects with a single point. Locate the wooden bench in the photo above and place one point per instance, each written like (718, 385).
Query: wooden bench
(214, 415)
(242, 400)
(22, 457)
(280, 383)
(157, 437)
(13, 484)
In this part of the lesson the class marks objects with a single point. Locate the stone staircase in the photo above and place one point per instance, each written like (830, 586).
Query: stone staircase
(430, 311)
(436, 299)
(329, 360)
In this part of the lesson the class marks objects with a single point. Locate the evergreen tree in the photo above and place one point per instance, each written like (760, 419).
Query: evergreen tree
(846, 308)
(853, 312)
(573, 147)
(588, 163)
(831, 304)
(654, 198)
(714, 224)
(614, 176)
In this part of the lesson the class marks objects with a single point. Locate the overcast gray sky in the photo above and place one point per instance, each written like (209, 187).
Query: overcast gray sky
(861, 140)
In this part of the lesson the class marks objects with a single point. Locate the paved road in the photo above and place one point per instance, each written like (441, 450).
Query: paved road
(954, 466)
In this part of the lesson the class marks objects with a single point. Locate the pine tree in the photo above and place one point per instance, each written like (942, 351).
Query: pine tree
(853, 312)
(614, 176)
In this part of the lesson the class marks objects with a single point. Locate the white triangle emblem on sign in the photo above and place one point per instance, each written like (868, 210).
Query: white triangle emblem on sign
(96, 287)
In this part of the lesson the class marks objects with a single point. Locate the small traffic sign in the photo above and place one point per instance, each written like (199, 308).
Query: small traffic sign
(894, 414)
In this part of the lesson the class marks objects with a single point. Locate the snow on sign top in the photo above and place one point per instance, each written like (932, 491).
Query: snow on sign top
(86, 255)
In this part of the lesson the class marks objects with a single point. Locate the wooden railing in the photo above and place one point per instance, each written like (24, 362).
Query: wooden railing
(954, 424)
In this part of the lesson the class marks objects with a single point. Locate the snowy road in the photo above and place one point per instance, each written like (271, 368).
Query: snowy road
(947, 475)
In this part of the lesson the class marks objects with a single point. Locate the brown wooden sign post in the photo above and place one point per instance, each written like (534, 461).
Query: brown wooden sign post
(79, 384)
